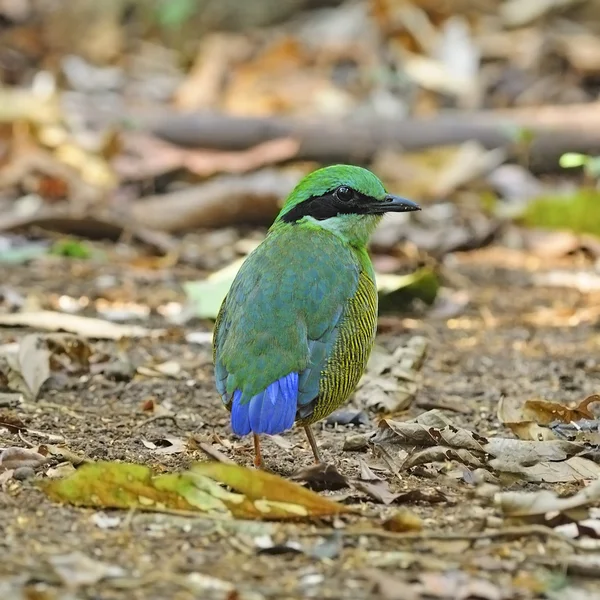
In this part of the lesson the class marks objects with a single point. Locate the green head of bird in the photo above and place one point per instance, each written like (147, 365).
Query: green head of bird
(349, 201)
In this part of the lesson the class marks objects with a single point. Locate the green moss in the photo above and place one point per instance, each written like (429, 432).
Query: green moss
(71, 248)
(579, 212)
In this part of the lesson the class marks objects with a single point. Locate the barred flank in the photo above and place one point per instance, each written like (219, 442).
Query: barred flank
(351, 351)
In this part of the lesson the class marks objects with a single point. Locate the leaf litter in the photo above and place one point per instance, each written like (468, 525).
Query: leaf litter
(432, 439)
(542, 420)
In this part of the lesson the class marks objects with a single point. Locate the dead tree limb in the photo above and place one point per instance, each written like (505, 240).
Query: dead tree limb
(554, 131)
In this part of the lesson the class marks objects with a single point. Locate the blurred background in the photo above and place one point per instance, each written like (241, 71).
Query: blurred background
(163, 135)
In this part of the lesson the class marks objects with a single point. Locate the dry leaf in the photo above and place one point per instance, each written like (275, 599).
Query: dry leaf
(77, 570)
(167, 369)
(12, 423)
(544, 413)
(460, 585)
(545, 503)
(403, 520)
(150, 157)
(33, 362)
(391, 381)
(60, 471)
(321, 477)
(531, 420)
(403, 444)
(255, 495)
(573, 469)
(169, 444)
(388, 587)
(30, 363)
(366, 473)
(15, 458)
(84, 326)
(378, 491)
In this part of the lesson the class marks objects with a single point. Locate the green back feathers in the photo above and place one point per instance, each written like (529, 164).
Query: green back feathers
(291, 291)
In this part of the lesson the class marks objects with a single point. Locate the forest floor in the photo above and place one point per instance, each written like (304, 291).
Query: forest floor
(517, 339)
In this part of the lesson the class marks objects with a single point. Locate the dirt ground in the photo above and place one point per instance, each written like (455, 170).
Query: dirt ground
(495, 348)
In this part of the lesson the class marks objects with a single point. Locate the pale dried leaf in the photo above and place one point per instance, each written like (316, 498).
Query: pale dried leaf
(441, 454)
(388, 587)
(525, 452)
(14, 458)
(169, 444)
(76, 569)
(521, 504)
(84, 326)
(34, 362)
(378, 491)
(415, 434)
(570, 470)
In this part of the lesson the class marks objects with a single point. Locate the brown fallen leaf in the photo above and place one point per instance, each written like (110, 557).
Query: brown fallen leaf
(402, 521)
(378, 491)
(531, 420)
(321, 477)
(33, 363)
(37, 355)
(12, 423)
(68, 353)
(544, 413)
(460, 585)
(366, 473)
(420, 495)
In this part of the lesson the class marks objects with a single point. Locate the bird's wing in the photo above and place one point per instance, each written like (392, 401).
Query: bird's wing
(278, 325)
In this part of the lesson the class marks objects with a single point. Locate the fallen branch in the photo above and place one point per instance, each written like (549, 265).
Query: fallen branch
(88, 226)
(223, 201)
(554, 130)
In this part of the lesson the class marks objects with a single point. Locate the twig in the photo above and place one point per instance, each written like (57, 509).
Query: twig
(509, 532)
(212, 452)
(25, 441)
(61, 407)
(157, 418)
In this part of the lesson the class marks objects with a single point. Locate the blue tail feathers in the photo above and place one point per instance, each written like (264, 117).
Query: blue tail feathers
(272, 411)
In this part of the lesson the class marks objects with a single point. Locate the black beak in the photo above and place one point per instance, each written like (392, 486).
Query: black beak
(395, 204)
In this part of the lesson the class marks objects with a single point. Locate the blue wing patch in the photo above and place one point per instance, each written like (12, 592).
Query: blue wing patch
(272, 411)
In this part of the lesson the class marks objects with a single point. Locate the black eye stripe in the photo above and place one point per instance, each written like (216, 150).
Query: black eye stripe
(329, 205)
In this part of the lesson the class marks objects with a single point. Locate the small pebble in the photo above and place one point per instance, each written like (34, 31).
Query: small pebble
(23, 473)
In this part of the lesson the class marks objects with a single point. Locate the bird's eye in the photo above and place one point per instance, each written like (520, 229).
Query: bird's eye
(344, 194)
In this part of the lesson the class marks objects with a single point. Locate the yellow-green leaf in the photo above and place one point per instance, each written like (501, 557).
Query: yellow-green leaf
(256, 495)
(272, 496)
